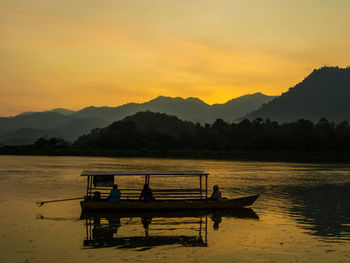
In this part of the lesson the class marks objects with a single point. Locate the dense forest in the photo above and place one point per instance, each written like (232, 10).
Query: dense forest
(148, 133)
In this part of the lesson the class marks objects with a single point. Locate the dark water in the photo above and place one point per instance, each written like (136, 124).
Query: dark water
(302, 215)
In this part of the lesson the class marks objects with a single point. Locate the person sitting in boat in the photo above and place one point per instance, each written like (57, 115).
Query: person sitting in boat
(216, 195)
(146, 194)
(97, 196)
(114, 195)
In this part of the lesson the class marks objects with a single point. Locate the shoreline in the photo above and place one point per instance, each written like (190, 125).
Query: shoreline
(265, 156)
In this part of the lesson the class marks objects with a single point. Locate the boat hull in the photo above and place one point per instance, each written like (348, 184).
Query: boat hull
(169, 205)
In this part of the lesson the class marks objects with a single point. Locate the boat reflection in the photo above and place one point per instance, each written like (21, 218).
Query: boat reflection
(159, 228)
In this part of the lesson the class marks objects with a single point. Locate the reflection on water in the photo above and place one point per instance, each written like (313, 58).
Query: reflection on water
(103, 232)
(167, 228)
(185, 228)
(323, 210)
(304, 214)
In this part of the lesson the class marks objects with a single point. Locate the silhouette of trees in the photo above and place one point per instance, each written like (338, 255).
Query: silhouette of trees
(256, 135)
(52, 143)
(148, 132)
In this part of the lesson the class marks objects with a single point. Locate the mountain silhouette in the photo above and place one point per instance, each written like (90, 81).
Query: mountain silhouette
(25, 136)
(149, 132)
(143, 130)
(325, 93)
(37, 120)
(69, 125)
(239, 106)
(192, 109)
(62, 111)
(27, 128)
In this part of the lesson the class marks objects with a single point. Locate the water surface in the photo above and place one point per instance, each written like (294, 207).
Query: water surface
(302, 215)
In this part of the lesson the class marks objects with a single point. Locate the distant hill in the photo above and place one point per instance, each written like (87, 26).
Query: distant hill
(37, 120)
(70, 124)
(149, 132)
(58, 110)
(159, 122)
(324, 93)
(238, 107)
(63, 111)
(25, 136)
(192, 109)
(142, 130)
(27, 128)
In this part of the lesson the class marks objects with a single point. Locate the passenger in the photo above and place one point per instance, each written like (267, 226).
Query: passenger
(216, 195)
(97, 196)
(146, 194)
(114, 195)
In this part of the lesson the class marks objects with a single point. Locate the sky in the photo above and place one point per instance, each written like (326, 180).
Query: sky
(73, 54)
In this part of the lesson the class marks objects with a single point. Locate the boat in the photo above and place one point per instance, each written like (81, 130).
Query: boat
(100, 183)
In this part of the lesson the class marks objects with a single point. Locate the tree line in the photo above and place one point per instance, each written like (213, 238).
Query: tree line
(220, 136)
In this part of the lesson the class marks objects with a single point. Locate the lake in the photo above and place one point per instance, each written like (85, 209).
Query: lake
(302, 214)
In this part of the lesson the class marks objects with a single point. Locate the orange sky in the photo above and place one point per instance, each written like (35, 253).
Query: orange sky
(72, 54)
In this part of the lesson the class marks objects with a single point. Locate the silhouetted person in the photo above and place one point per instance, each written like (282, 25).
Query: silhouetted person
(97, 196)
(114, 195)
(216, 195)
(146, 194)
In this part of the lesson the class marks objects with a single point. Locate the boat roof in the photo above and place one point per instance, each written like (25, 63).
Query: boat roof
(138, 173)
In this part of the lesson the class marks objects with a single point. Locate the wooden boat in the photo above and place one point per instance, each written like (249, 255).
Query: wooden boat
(99, 185)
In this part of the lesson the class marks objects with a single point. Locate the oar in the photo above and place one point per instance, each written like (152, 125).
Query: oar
(40, 203)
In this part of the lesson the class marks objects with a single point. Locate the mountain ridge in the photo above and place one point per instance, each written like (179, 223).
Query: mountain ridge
(63, 121)
(325, 93)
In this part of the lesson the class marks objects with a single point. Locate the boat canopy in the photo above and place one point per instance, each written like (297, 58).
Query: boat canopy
(138, 173)
(101, 182)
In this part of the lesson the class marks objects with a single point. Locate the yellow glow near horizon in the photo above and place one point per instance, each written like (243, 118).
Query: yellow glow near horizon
(75, 54)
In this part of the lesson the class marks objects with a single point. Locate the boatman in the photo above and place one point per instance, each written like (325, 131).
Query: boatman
(216, 195)
(146, 194)
(114, 195)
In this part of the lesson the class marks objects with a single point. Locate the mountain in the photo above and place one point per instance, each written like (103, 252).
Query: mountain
(144, 130)
(25, 136)
(27, 128)
(70, 125)
(159, 122)
(62, 111)
(238, 107)
(192, 109)
(37, 120)
(188, 109)
(325, 93)
(58, 110)
(149, 132)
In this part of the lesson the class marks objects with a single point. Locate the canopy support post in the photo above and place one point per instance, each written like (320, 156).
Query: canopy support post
(88, 186)
(147, 177)
(206, 186)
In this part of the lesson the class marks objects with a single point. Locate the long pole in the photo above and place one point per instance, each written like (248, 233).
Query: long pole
(40, 203)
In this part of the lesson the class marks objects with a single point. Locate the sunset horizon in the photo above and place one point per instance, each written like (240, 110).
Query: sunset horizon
(175, 131)
(59, 54)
